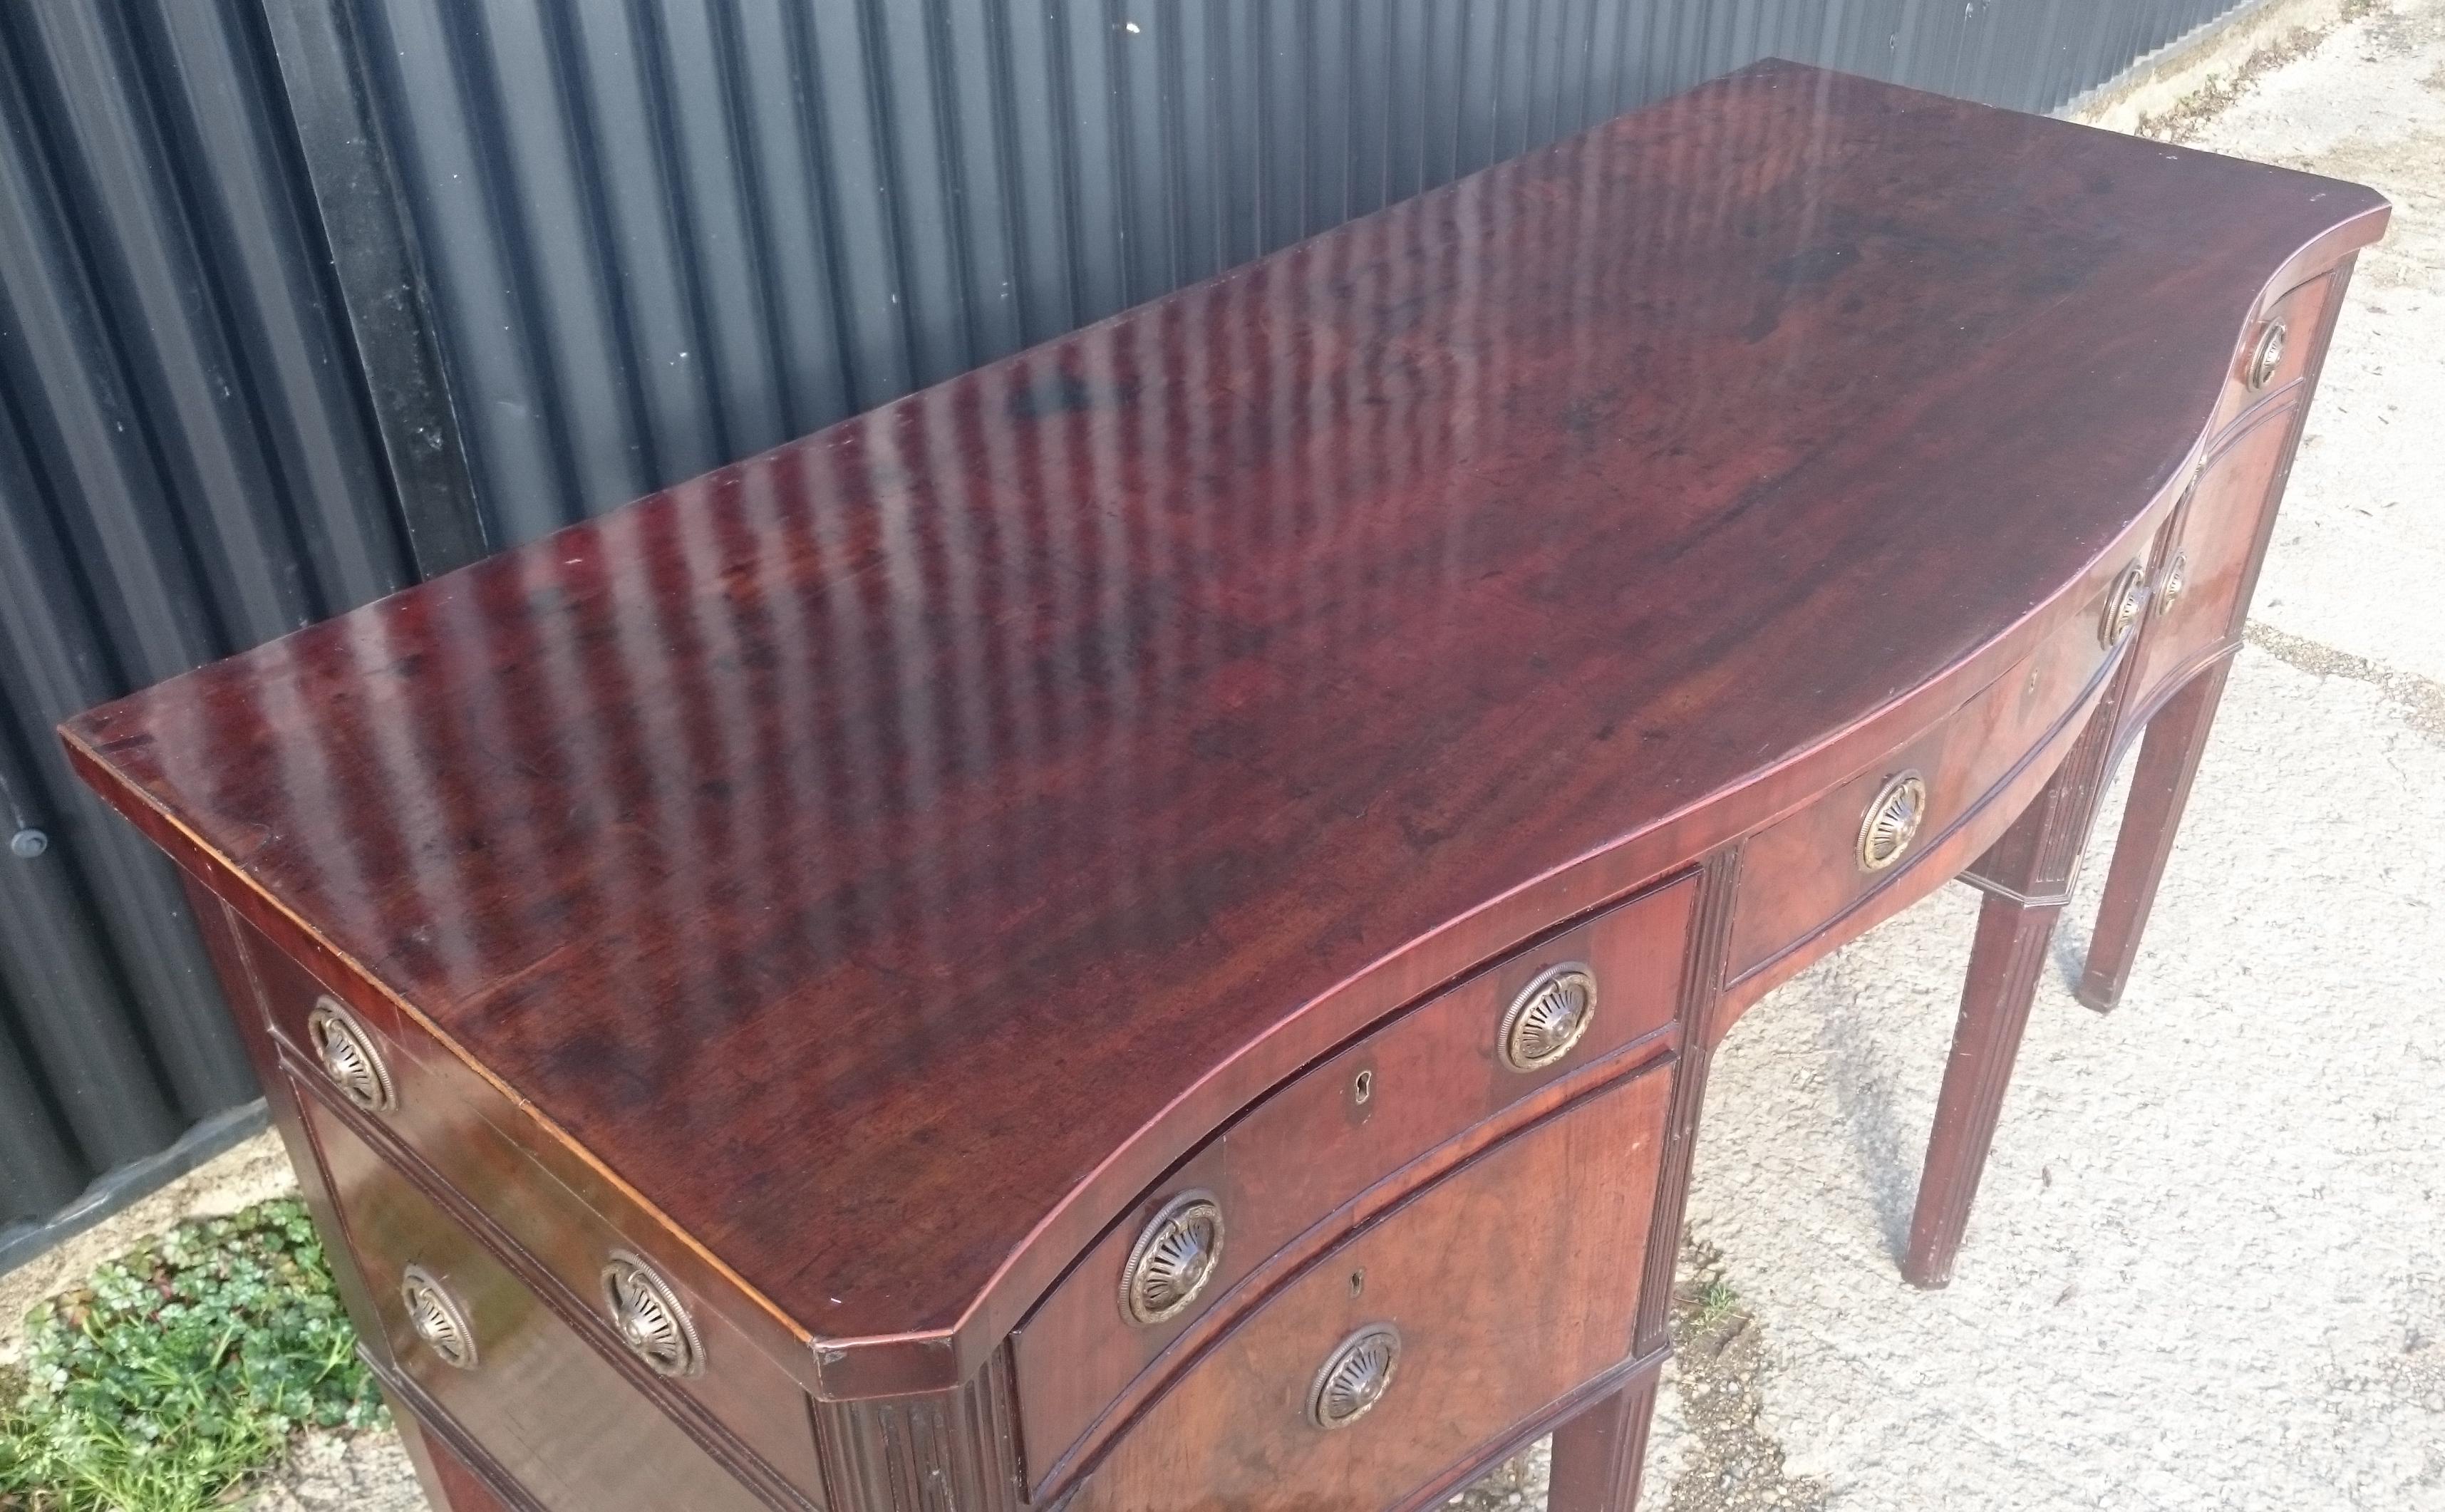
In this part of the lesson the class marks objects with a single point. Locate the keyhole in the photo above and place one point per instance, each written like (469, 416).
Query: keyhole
(1363, 1086)
(1357, 1281)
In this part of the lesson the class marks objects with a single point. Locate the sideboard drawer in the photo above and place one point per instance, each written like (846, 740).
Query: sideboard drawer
(1807, 869)
(1418, 1084)
(2275, 350)
(2202, 582)
(453, 1122)
(554, 1415)
(1496, 1290)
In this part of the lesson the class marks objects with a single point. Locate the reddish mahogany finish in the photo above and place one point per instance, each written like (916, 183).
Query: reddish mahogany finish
(547, 1409)
(2203, 572)
(1500, 1281)
(1297, 1172)
(860, 881)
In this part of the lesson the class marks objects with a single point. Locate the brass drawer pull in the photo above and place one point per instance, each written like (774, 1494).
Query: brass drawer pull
(1892, 821)
(1355, 1377)
(650, 1319)
(2177, 577)
(2123, 603)
(436, 1319)
(1175, 1256)
(2268, 355)
(348, 1057)
(1549, 1016)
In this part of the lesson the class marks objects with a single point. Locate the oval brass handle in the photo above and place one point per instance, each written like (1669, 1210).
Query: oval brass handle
(651, 1320)
(2123, 603)
(1892, 821)
(348, 1051)
(438, 1318)
(2177, 577)
(1177, 1253)
(1354, 1376)
(1548, 1017)
(2268, 355)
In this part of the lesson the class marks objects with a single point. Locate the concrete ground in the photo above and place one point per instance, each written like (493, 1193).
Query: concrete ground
(2208, 1266)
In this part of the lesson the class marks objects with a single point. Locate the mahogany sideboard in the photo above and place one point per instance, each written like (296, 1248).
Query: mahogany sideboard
(1142, 928)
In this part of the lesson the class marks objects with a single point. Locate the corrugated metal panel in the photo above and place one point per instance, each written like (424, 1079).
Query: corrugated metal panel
(589, 247)
(670, 232)
(184, 470)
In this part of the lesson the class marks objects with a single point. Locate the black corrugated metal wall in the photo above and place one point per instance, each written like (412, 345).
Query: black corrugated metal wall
(184, 471)
(303, 299)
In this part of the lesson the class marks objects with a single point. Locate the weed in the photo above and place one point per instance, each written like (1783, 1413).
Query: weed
(176, 1374)
(1714, 1302)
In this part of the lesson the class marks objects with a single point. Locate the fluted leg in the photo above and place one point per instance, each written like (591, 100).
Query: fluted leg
(2160, 787)
(2011, 952)
(2026, 876)
(1597, 1454)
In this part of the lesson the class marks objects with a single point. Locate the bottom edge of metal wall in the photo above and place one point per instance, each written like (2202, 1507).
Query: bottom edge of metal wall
(122, 1186)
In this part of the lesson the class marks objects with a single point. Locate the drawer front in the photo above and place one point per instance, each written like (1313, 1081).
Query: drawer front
(452, 1123)
(2201, 585)
(514, 1379)
(1804, 872)
(1507, 1285)
(2277, 349)
(1310, 1147)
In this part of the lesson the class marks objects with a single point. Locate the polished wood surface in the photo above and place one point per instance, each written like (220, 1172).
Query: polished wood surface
(1301, 1167)
(444, 1125)
(2217, 544)
(1812, 856)
(2160, 786)
(1030, 771)
(2205, 569)
(861, 887)
(549, 1410)
(1501, 1281)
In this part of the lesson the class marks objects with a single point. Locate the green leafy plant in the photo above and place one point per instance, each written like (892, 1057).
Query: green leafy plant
(178, 1373)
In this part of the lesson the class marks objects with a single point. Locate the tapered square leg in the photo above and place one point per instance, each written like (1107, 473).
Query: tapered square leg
(2011, 952)
(2160, 788)
(1597, 1454)
(2026, 877)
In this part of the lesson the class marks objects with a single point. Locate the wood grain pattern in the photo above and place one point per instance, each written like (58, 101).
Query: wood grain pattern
(1804, 870)
(1504, 1282)
(441, 1127)
(451, 1481)
(939, 1451)
(552, 1412)
(2216, 533)
(1599, 1456)
(2214, 551)
(1029, 775)
(1299, 1157)
(2026, 876)
(2160, 786)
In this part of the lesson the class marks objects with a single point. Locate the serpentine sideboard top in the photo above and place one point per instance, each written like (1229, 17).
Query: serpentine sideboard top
(883, 856)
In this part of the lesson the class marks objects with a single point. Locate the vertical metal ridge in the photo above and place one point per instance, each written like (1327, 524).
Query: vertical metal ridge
(187, 464)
